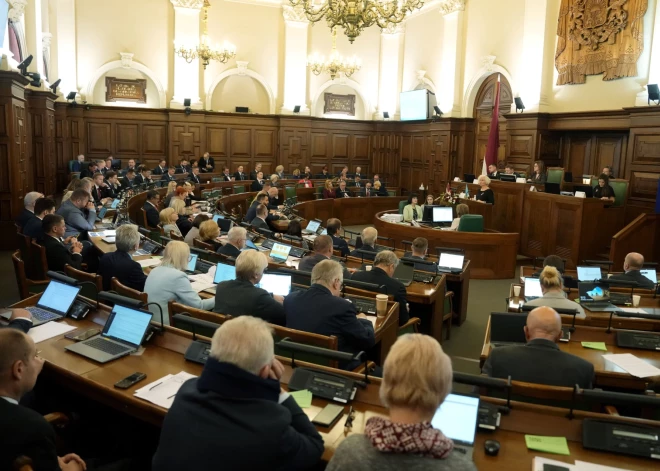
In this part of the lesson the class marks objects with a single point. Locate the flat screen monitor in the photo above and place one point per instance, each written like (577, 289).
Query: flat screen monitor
(588, 273)
(192, 262)
(507, 327)
(533, 288)
(505, 177)
(451, 260)
(224, 272)
(225, 224)
(552, 188)
(650, 274)
(443, 214)
(457, 418)
(414, 105)
(468, 177)
(276, 284)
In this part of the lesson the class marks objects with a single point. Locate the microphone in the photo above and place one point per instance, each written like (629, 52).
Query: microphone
(609, 323)
(56, 275)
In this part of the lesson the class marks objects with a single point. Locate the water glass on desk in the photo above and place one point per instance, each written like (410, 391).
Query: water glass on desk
(516, 290)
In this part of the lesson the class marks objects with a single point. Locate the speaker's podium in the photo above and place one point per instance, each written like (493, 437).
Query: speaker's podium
(572, 228)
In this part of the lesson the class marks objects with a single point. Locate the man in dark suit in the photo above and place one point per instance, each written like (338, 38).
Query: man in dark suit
(59, 251)
(194, 176)
(540, 360)
(238, 410)
(508, 170)
(368, 190)
(226, 176)
(206, 163)
(28, 208)
(333, 226)
(342, 192)
(239, 175)
(120, 264)
(112, 184)
(273, 198)
(343, 172)
(632, 265)
(358, 184)
(255, 172)
(369, 236)
(259, 222)
(321, 310)
(168, 176)
(108, 163)
(161, 169)
(493, 172)
(42, 207)
(151, 208)
(236, 238)
(89, 171)
(99, 190)
(130, 166)
(324, 173)
(139, 176)
(128, 181)
(381, 274)
(258, 183)
(25, 432)
(322, 251)
(420, 247)
(79, 164)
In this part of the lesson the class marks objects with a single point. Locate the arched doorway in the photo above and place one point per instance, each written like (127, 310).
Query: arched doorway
(483, 112)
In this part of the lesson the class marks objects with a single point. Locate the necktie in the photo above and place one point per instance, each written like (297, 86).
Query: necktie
(367, 191)
(98, 192)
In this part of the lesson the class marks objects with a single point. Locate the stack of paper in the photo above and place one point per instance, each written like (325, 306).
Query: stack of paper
(633, 365)
(49, 330)
(150, 262)
(203, 281)
(163, 391)
(539, 464)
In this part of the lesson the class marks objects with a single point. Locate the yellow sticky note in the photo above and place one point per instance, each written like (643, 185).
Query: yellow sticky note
(556, 445)
(303, 398)
(595, 345)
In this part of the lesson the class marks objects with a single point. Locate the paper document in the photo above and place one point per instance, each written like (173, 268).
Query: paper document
(149, 262)
(585, 466)
(633, 310)
(49, 330)
(557, 445)
(538, 464)
(303, 398)
(163, 391)
(203, 281)
(595, 346)
(633, 365)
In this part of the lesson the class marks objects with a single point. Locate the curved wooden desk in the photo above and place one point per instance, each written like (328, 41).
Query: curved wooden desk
(350, 211)
(492, 255)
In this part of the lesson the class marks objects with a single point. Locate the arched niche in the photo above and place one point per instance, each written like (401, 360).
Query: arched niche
(240, 90)
(489, 69)
(343, 87)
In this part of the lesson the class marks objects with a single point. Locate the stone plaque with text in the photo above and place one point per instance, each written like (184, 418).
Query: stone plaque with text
(339, 104)
(117, 89)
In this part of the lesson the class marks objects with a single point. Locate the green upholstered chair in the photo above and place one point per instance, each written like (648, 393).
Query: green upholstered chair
(206, 193)
(289, 192)
(556, 175)
(402, 204)
(216, 179)
(71, 162)
(620, 188)
(239, 189)
(471, 223)
(391, 193)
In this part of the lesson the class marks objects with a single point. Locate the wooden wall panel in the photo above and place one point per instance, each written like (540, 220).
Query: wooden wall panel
(240, 143)
(154, 140)
(99, 137)
(340, 146)
(127, 141)
(319, 145)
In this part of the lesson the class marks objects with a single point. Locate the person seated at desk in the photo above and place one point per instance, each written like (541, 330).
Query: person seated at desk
(508, 170)
(412, 211)
(461, 210)
(120, 264)
(140, 175)
(493, 172)
(261, 198)
(100, 190)
(603, 190)
(328, 190)
(538, 175)
(169, 282)
(79, 164)
(239, 175)
(60, 251)
(306, 181)
(25, 433)
(551, 261)
(90, 170)
(34, 227)
(279, 171)
(295, 229)
(258, 183)
(206, 163)
(161, 169)
(113, 187)
(127, 181)
(552, 287)
(273, 180)
(77, 184)
(168, 218)
(381, 274)
(540, 361)
(420, 248)
(333, 226)
(417, 377)
(609, 171)
(273, 198)
(226, 176)
(322, 251)
(20, 319)
(194, 176)
(194, 231)
(485, 194)
(632, 265)
(236, 413)
(254, 175)
(209, 232)
(379, 186)
(368, 190)
(321, 310)
(169, 176)
(342, 192)
(151, 208)
(183, 222)
(259, 222)
(77, 220)
(429, 201)
(369, 236)
(236, 238)
(240, 297)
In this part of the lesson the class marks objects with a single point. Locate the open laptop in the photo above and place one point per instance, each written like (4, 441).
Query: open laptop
(651, 275)
(588, 190)
(276, 283)
(192, 263)
(450, 263)
(250, 245)
(280, 252)
(217, 217)
(507, 328)
(115, 203)
(595, 297)
(404, 273)
(532, 288)
(54, 303)
(122, 334)
(101, 213)
(457, 418)
(225, 224)
(552, 188)
(224, 272)
(312, 226)
(588, 273)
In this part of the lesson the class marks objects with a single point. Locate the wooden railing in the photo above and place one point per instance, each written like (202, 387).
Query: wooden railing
(641, 235)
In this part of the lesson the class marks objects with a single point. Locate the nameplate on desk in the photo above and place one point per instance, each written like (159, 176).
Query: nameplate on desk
(580, 194)
(521, 180)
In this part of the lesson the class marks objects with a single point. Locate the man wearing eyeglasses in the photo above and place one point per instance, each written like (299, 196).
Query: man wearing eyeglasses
(237, 237)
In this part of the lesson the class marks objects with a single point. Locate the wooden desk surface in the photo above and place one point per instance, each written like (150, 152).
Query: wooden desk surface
(164, 355)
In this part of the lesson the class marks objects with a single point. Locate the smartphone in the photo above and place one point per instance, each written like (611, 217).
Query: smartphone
(552, 467)
(129, 381)
(565, 335)
(329, 415)
(80, 335)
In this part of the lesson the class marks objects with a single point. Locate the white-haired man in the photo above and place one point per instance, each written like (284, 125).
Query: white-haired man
(236, 237)
(28, 208)
(236, 414)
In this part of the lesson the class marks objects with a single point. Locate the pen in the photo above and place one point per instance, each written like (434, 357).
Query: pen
(155, 385)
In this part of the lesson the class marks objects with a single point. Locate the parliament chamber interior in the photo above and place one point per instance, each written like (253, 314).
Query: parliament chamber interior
(420, 235)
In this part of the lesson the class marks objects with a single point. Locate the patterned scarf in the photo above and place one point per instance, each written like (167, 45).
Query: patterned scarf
(417, 439)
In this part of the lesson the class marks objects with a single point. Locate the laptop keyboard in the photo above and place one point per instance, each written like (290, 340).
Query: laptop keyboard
(422, 278)
(42, 315)
(363, 305)
(105, 346)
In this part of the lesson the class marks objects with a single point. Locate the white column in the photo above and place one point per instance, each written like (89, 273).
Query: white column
(391, 40)
(295, 59)
(67, 62)
(34, 37)
(531, 64)
(46, 38)
(186, 34)
(15, 11)
(449, 90)
(654, 65)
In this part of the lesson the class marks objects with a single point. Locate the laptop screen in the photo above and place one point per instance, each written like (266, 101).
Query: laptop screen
(224, 272)
(126, 324)
(58, 297)
(225, 224)
(650, 274)
(450, 260)
(276, 284)
(115, 203)
(507, 327)
(192, 261)
(442, 214)
(588, 273)
(594, 291)
(250, 245)
(324, 232)
(533, 288)
(280, 251)
(104, 210)
(313, 225)
(457, 418)
(217, 217)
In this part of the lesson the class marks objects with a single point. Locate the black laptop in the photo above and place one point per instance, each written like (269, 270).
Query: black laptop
(596, 297)
(404, 273)
(468, 177)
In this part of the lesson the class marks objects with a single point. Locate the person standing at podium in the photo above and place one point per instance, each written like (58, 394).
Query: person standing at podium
(538, 175)
(412, 211)
(485, 194)
(603, 190)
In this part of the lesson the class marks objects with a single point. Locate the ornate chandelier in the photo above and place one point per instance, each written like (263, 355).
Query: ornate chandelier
(353, 16)
(335, 63)
(203, 51)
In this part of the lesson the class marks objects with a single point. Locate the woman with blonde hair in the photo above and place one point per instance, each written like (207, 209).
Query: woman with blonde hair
(171, 191)
(85, 183)
(183, 222)
(377, 186)
(461, 210)
(417, 377)
(169, 282)
(209, 232)
(168, 218)
(273, 180)
(328, 190)
(552, 287)
(485, 194)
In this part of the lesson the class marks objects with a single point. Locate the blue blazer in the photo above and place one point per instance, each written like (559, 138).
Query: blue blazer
(122, 266)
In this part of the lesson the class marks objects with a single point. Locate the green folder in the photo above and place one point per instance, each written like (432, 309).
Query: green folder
(303, 398)
(557, 445)
(595, 345)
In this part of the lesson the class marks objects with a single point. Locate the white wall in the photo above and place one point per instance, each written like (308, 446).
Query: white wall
(238, 90)
(340, 90)
(124, 73)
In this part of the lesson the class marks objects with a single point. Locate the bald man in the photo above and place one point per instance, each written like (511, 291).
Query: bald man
(540, 360)
(631, 266)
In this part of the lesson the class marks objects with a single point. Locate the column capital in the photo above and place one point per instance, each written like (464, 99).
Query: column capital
(447, 7)
(46, 39)
(192, 4)
(392, 28)
(293, 14)
(16, 9)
